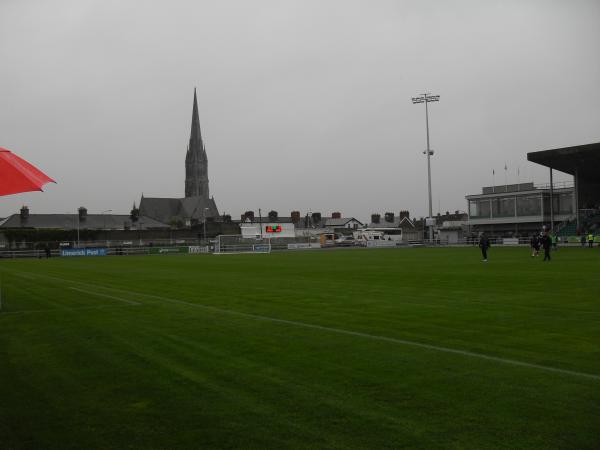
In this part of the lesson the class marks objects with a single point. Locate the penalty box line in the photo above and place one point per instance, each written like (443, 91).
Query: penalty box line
(497, 359)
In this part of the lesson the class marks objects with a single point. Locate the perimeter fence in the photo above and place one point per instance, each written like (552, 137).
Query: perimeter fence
(199, 246)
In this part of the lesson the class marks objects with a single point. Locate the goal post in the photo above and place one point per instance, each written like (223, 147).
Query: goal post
(229, 244)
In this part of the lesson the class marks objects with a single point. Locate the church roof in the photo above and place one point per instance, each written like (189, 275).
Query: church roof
(165, 209)
(160, 207)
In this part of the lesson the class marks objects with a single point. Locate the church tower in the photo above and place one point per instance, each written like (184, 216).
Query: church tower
(196, 162)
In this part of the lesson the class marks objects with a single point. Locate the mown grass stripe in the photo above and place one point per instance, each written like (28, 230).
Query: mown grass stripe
(416, 344)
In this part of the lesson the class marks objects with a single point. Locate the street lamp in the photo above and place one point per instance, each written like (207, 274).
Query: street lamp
(140, 228)
(426, 98)
(104, 224)
(78, 222)
(306, 223)
(204, 222)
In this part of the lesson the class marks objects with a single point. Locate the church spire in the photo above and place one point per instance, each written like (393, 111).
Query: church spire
(195, 135)
(196, 162)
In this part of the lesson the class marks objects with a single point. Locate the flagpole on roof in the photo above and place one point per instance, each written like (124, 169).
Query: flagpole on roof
(493, 181)
(505, 178)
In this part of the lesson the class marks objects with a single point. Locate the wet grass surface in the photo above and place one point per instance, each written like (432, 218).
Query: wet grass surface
(324, 349)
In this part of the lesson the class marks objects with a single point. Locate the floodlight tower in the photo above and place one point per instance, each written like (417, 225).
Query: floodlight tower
(426, 98)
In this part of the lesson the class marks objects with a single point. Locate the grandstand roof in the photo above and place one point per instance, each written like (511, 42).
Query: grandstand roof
(583, 158)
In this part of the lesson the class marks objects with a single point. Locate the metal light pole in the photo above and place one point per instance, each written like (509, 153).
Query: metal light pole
(104, 225)
(204, 222)
(426, 98)
(78, 224)
(140, 228)
(308, 216)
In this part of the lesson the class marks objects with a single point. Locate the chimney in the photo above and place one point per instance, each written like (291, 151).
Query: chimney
(316, 217)
(82, 213)
(295, 216)
(24, 212)
(389, 217)
(375, 218)
(404, 214)
(336, 215)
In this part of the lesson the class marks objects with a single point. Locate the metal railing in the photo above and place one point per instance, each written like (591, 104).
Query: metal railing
(555, 185)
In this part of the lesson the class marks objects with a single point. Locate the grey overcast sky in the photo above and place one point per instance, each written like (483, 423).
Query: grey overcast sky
(303, 104)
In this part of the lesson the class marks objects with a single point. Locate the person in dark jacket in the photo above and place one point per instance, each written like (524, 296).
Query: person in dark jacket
(534, 242)
(546, 244)
(484, 244)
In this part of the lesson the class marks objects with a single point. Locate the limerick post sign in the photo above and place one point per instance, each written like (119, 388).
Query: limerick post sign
(101, 251)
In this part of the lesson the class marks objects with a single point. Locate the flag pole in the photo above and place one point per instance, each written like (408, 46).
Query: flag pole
(493, 181)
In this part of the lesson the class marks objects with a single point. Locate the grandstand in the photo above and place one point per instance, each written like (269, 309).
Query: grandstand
(582, 162)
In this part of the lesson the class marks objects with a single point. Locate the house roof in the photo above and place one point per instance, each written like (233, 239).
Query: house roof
(338, 222)
(90, 222)
(265, 219)
(396, 223)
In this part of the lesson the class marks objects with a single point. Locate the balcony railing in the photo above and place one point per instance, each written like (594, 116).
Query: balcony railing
(557, 185)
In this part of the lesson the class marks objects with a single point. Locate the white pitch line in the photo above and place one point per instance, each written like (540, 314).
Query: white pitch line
(449, 304)
(98, 294)
(375, 337)
(369, 336)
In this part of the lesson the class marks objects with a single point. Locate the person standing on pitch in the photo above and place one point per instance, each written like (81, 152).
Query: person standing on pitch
(591, 240)
(535, 245)
(484, 244)
(546, 243)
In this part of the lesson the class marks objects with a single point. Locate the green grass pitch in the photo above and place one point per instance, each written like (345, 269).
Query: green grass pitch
(409, 348)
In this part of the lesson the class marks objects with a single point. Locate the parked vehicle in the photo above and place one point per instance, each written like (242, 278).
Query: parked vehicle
(345, 241)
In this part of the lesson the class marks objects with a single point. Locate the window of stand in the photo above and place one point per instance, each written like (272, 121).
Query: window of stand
(479, 209)
(503, 207)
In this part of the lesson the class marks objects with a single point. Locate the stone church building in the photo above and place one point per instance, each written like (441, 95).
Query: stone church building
(197, 204)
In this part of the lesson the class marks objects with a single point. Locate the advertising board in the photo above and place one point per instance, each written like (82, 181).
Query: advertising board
(97, 251)
(168, 250)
